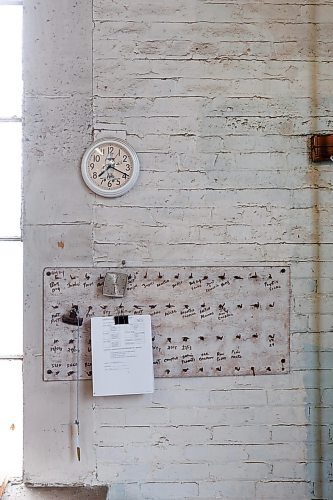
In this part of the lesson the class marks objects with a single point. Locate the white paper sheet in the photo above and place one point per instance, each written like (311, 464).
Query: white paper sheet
(122, 359)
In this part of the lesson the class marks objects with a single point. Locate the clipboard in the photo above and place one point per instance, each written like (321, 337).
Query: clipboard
(122, 355)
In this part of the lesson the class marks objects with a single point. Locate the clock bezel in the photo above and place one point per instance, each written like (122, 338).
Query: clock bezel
(116, 191)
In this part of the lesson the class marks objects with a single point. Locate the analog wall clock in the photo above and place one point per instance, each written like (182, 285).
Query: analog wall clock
(110, 167)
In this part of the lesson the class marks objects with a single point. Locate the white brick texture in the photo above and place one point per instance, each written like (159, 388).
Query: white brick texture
(219, 99)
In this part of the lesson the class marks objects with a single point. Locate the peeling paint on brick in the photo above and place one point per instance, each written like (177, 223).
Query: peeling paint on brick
(218, 99)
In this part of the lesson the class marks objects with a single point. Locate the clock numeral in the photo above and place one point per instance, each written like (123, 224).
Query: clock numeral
(125, 158)
(95, 175)
(118, 182)
(110, 149)
(97, 158)
(124, 176)
(128, 167)
(92, 166)
(110, 184)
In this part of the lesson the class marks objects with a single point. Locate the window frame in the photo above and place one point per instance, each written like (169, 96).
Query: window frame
(3, 120)
(11, 2)
(7, 356)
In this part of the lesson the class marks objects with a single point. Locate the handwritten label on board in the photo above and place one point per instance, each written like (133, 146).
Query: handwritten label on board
(206, 321)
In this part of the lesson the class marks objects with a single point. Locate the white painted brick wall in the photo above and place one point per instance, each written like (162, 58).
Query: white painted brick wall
(218, 99)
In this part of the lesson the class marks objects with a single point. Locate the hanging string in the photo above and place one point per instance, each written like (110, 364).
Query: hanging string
(77, 420)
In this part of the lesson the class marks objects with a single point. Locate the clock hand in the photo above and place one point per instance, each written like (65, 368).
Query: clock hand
(114, 168)
(105, 171)
(108, 166)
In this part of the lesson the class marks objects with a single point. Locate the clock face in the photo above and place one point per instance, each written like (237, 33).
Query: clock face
(110, 167)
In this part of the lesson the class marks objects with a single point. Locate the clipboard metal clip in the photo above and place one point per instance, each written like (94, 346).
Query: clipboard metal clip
(121, 318)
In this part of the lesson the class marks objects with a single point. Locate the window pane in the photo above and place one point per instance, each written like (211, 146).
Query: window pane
(11, 419)
(10, 185)
(11, 298)
(10, 60)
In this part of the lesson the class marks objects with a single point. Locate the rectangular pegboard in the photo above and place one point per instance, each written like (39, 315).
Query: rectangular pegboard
(206, 321)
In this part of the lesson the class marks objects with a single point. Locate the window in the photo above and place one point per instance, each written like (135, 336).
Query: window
(10, 241)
